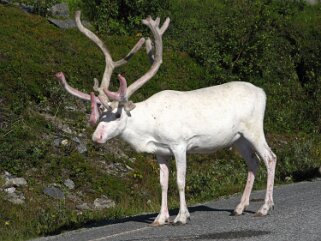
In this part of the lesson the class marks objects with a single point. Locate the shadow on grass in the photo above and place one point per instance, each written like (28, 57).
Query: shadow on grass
(306, 175)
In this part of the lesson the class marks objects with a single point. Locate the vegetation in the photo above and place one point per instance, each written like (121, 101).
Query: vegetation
(273, 44)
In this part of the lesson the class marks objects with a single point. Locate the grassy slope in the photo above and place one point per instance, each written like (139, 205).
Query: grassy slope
(32, 103)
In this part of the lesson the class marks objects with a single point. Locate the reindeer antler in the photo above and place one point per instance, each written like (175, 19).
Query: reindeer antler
(157, 56)
(123, 94)
(110, 64)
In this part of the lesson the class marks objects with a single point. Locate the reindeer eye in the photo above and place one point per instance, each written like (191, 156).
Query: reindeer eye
(117, 116)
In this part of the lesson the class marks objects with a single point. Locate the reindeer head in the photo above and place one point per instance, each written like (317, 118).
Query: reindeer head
(111, 109)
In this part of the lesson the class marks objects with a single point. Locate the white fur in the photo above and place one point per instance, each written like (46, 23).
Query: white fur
(173, 123)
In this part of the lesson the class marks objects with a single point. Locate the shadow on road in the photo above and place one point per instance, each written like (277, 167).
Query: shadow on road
(145, 218)
(149, 218)
(213, 236)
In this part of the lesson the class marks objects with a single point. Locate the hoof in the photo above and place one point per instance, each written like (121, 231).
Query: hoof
(259, 214)
(178, 223)
(158, 224)
(264, 210)
(234, 213)
(155, 224)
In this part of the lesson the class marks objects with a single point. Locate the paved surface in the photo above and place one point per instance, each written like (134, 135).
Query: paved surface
(297, 217)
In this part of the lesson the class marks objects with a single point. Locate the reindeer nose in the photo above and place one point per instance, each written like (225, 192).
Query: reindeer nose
(98, 138)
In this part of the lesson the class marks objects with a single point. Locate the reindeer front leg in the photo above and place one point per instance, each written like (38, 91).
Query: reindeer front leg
(180, 157)
(163, 216)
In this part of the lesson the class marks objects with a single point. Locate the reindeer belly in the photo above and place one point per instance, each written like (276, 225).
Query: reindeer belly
(209, 144)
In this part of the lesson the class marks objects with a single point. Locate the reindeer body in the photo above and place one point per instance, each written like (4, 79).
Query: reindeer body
(173, 123)
(202, 120)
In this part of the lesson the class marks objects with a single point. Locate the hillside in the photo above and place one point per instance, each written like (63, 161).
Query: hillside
(45, 138)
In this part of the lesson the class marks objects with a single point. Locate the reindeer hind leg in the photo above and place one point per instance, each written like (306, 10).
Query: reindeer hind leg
(247, 151)
(269, 158)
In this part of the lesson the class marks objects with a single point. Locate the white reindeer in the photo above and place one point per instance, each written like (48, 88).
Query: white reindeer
(174, 123)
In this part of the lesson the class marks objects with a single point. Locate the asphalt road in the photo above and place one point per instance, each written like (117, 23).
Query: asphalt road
(296, 217)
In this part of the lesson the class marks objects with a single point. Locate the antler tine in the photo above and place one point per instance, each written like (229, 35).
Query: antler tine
(62, 80)
(120, 95)
(109, 61)
(149, 49)
(164, 26)
(157, 33)
(124, 60)
(96, 85)
(157, 21)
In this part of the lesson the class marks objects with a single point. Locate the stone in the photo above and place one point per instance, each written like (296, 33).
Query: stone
(74, 198)
(83, 207)
(312, 2)
(63, 24)
(69, 183)
(70, 108)
(82, 148)
(27, 8)
(54, 192)
(59, 10)
(57, 142)
(67, 23)
(76, 139)
(103, 202)
(5, 1)
(129, 168)
(7, 174)
(10, 190)
(15, 182)
(64, 142)
(16, 198)
(65, 129)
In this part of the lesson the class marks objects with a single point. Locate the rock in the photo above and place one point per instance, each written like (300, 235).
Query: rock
(57, 142)
(54, 192)
(76, 139)
(288, 179)
(63, 24)
(64, 142)
(5, 1)
(15, 182)
(67, 23)
(59, 10)
(74, 198)
(129, 168)
(16, 198)
(65, 129)
(83, 207)
(103, 202)
(7, 174)
(312, 2)
(82, 148)
(69, 183)
(58, 123)
(70, 108)
(27, 8)
(10, 190)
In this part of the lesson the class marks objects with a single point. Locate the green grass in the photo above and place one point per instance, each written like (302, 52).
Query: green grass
(31, 52)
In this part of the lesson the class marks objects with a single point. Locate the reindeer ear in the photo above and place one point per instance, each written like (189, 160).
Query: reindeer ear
(129, 106)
